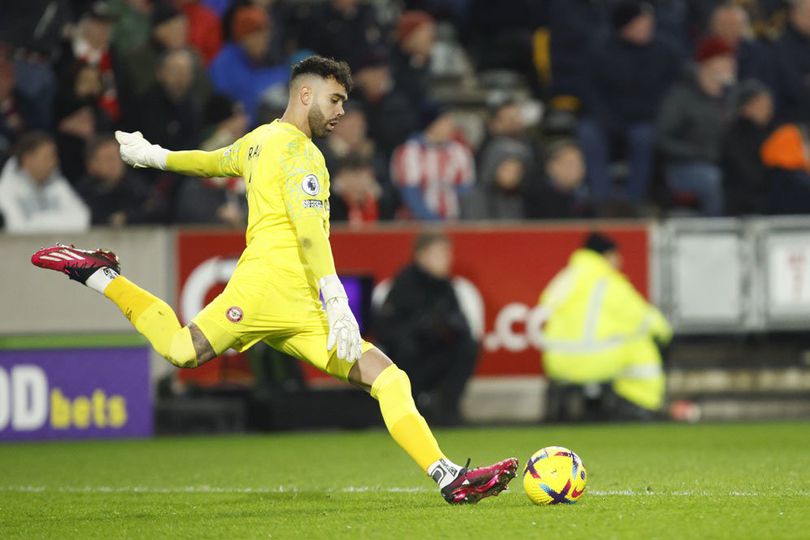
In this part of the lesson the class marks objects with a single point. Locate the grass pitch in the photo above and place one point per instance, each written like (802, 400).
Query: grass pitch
(653, 481)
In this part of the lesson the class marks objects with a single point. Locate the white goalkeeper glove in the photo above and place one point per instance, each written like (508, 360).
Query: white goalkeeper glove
(343, 329)
(138, 152)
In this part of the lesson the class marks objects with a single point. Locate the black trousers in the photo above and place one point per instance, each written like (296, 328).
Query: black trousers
(439, 373)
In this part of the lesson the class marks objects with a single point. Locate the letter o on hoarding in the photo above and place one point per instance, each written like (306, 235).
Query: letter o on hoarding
(30, 397)
(5, 399)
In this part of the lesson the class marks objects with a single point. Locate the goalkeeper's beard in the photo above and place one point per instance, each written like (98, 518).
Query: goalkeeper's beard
(318, 125)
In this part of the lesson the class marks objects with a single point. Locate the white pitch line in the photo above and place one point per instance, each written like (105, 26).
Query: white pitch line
(349, 489)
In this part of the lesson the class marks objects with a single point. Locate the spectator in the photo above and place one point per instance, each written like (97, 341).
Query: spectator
(562, 193)
(350, 138)
(502, 182)
(791, 63)
(204, 28)
(79, 116)
(355, 193)
(745, 182)
(238, 70)
(389, 112)
(620, 105)
(731, 23)
(89, 45)
(410, 61)
(169, 33)
(34, 196)
(173, 118)
(224, 122)
(600, 330)
(691, 124)
(116, 194)
(421, 323)
(786, 154)
(506, 122)
(215, 200)
(204, 201)
(432, 170)
(573, 26)
(288, 20)
(347, 29)
(18, 113)
(132, 27)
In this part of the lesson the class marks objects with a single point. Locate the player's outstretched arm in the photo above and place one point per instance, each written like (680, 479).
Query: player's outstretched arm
(344, 333)
(140, 153)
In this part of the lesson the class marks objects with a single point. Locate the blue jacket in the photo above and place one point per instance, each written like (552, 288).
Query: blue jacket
(235, 75)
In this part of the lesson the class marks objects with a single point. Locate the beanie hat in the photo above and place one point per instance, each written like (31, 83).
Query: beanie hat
(410, 21)
(162, 12)
(626, 11)
(247, 20)
(430, 113)
(599, 243)
(712, 47)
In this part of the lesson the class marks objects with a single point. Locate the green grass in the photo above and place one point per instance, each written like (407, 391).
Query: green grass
(657, 481)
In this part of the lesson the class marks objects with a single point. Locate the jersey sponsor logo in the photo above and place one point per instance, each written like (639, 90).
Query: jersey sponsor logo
(310, 185)
(234, 314)
(313, 203)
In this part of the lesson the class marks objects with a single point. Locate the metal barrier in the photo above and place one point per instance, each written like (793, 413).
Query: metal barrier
(716, 276)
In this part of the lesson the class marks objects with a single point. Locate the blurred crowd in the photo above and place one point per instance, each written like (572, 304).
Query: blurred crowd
(463, 109)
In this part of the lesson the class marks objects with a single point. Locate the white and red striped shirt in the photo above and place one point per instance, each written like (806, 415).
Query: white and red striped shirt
(440, 171)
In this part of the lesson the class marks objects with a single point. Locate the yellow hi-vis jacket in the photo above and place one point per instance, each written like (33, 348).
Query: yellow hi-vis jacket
(600, 329)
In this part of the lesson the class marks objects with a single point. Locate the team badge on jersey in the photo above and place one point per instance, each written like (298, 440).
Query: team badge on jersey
(310, 185)
(234, 314)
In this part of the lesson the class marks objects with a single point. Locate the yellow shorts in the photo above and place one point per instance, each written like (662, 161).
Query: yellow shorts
(289, 318)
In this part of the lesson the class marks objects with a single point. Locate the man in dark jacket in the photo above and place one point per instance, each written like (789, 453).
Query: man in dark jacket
(791, 64)
(629, 74)
(744, 175)
(691, 124)
(561, 192)
(116, 194)
(422, 324)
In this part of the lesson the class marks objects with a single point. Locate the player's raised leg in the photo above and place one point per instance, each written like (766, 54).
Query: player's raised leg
(389, 385)
(151, 316)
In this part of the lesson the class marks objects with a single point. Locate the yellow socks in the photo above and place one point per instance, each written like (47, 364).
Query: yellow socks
(392, 389)
(155, 319)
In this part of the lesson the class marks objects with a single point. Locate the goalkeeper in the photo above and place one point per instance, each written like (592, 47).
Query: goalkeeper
(287, 264)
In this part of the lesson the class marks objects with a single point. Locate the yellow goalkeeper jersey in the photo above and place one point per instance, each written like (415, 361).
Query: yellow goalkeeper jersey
(288, 248)
(286, 179)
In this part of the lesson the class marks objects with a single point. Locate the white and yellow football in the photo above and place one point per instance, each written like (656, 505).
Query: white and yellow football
(554, 475)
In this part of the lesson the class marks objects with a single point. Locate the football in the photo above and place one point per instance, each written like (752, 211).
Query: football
(554, 475)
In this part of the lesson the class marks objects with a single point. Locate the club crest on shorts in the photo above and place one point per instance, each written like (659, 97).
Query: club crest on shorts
(310, 185)
(234, 314)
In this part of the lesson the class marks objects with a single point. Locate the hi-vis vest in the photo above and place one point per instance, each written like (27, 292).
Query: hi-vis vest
(591, 307)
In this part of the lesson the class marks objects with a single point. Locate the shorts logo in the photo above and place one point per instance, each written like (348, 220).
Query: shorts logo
(310, 185)
(234, 314)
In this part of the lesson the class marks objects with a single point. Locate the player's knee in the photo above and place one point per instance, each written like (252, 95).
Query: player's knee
(181, 352)
(391, 377)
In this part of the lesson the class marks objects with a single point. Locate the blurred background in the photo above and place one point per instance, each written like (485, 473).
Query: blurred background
(544, 211)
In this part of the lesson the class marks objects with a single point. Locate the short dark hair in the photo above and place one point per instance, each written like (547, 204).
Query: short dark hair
(354, 161)
(600, 243)
(97, 142)
(426, 239)
(30, 142)
(325, 68)
(559, 146)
